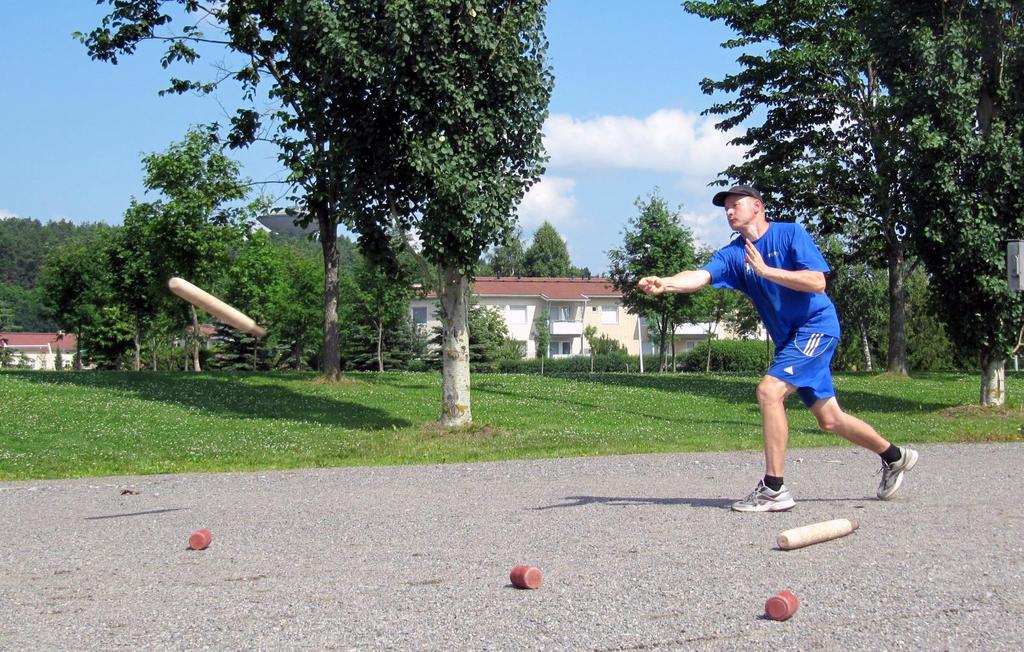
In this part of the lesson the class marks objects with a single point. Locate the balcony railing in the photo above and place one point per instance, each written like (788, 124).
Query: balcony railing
(567, 327)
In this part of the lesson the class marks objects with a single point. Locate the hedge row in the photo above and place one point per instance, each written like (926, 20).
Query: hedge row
(730, 355)
(726, 355)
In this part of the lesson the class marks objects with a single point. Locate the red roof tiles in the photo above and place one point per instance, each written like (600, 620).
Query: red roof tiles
(63, 341)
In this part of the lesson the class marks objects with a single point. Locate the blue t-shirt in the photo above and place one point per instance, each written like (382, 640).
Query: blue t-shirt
(787, 246)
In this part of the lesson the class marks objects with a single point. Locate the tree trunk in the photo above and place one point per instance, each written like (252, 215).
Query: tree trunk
(864, 343)
(897, 358)
(195, 339)
(331, 362)
(992, 57)
(993, 381)
(673, 340)
(153, 357)
(455, 401)
(662, 351)
(137, 355)
(78, 352)
(380, 346)
(297, 352)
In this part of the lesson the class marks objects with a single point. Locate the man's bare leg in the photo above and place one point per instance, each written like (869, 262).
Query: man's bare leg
(771, 396)
(831, 418)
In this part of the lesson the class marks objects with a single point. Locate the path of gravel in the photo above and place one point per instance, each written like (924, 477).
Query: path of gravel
(638, 553)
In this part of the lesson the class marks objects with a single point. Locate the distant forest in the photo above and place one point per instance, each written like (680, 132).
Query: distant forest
(24, 244)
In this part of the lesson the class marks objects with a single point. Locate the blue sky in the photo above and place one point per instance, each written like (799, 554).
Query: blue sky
(625, 119)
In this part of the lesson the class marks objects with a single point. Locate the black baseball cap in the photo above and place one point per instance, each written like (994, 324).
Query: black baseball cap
(746, 191)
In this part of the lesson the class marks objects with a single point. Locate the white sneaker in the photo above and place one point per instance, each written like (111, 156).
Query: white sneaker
(892, 474)
(763, 499)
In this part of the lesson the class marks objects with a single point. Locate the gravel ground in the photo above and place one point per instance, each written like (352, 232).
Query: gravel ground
(638, 553)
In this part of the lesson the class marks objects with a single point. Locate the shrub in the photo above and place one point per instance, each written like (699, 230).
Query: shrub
(730, 355)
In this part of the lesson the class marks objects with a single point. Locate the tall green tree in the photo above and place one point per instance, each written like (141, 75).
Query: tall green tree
(77, 281)
(713, 308)
(928, 345)
(24, 244)
(301, 55)
(296, 308)
(828, 146)
(199, 216)
(858, 291)
(252, 278)
(376, 330)
(655, 243)
(392, 114)
(956, 71)
(547, 254)
(252, 283)
(488, 338)
(542, 334)
(508, 258)
(133, 259)
(473, 86)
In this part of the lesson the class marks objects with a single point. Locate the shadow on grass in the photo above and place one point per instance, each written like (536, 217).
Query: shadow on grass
(606, 408)
(622, 501)
(229, 395)
(741, 389)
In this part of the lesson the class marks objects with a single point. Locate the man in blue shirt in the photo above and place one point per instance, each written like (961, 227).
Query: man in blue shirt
(780, 268)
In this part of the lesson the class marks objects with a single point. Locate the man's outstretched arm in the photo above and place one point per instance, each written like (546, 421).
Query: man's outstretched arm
(683, 282)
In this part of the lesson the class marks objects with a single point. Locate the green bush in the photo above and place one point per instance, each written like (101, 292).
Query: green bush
(605, 345)
(730, 355)
(419, 365)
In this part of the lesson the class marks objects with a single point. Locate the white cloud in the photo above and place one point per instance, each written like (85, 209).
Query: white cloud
(710, 228)
(6, 214)
(549, 200)
(668, 140)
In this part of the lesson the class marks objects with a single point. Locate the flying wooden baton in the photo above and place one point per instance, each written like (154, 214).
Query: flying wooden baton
(211, 304)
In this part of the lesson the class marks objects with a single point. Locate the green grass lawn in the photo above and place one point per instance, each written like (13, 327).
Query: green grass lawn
(104, 423)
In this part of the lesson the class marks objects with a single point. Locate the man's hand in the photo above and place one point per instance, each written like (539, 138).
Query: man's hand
(802, 280)
(652, 285)
(754, 259)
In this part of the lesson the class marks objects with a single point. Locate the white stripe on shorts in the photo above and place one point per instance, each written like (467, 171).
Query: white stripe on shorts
(812, 344)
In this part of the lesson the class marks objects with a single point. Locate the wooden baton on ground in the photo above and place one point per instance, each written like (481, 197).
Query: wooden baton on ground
(816, 533)
(214, 306)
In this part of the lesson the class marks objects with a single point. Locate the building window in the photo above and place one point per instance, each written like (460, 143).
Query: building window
(419, 315)
(560, 348)
(562, 313)
(515, 315)
(690, 344)
(609, 314)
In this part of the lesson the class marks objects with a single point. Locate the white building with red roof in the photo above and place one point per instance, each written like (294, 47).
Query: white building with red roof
(37, 350)
(573, 304)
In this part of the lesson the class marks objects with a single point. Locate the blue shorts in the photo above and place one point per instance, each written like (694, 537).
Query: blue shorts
(806, 363)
